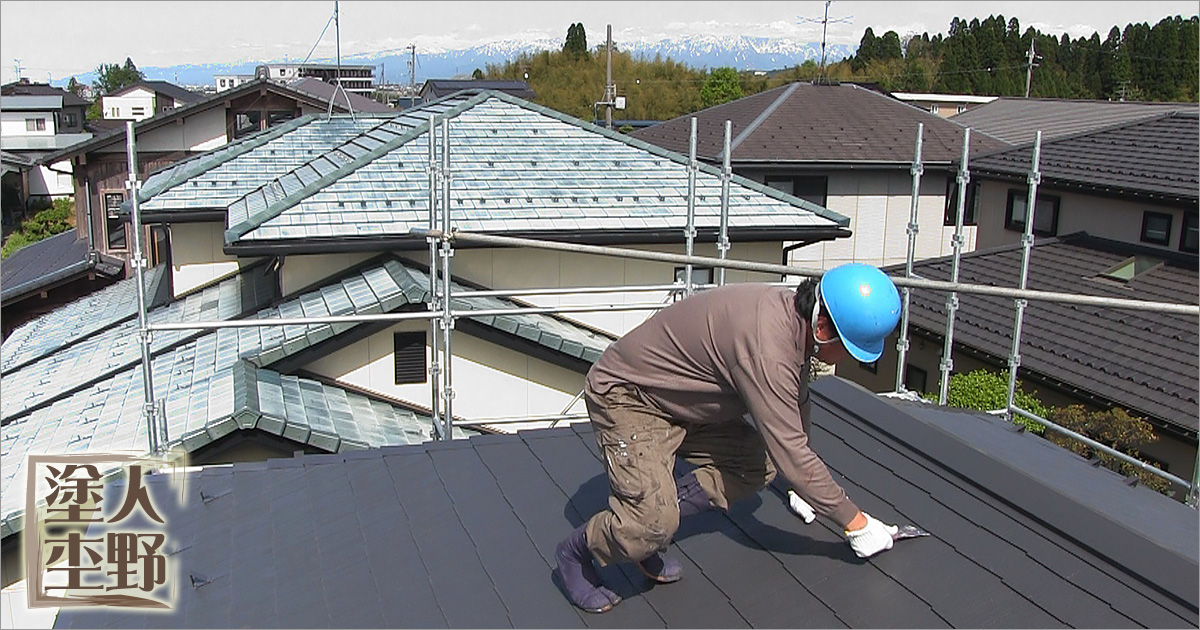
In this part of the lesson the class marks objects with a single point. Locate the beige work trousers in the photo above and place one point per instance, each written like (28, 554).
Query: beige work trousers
(639, 443)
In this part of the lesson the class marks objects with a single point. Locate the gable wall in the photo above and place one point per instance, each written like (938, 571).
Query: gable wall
(197, 255)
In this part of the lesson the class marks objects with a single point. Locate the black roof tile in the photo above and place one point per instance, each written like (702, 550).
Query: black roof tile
(464, 537)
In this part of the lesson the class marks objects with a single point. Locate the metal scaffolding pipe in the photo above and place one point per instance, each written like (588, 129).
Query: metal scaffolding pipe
(447, 316)
(435, 369)
(912, 229)
(726, 175)
(916, 283)
(964, 177)
(689, 232)
(149, 408)
(1014, 356)
(553, 419)
(569, 290)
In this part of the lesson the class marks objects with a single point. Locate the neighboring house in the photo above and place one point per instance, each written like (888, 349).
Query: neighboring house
(462, 535)
(434, 89)
(145, 99)
(224, 82)
(944, 105)
(1136, 181)
(101, 166)
(844, 147)
(1143, 362)
(358, 79)
(35, 120)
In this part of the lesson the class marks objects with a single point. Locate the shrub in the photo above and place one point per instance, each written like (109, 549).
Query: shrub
(988, 391)
(1115, 428)
(56, 219)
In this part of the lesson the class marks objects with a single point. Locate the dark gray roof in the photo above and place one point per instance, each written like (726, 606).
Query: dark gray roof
(817, 125)
(1144, 362)
(1017, 120)
(52, 260)
(461, 534)
(69, 99)
(438, 88)
(325, 91)
(178, 94)
(16, 159)
(1150, 159)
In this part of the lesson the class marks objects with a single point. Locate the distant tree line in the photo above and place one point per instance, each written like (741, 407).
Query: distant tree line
(988, 57)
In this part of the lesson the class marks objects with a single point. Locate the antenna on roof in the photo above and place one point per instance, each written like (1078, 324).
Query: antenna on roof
(825, 22)
(17, 65)
(337, 30)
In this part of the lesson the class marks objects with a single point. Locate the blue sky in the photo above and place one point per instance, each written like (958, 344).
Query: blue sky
(60, 39)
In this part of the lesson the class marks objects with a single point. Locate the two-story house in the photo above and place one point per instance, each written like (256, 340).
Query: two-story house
(37, 119)
(145, 99)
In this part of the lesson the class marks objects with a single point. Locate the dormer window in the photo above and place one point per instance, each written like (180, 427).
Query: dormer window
(1131, 268)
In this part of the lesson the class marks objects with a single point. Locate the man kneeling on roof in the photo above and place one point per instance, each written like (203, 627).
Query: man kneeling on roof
(686, 381)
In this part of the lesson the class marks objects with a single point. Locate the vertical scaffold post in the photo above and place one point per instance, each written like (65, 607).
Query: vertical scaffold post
(435, 370)
(726, 175)
(689, 232)
(964, 177)
(447, 318)
(913, 228)
(1014, 357)
(149, 409)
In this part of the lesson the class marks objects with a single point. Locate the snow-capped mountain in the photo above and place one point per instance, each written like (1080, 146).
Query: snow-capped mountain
(697, 51)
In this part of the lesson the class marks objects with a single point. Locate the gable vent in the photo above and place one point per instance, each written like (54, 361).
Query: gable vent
(409, 351)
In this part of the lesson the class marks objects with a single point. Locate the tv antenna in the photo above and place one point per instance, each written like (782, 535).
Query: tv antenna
(17, 65)
(825, 22)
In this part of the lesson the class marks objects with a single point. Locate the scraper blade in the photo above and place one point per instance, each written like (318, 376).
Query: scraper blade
(909, 531)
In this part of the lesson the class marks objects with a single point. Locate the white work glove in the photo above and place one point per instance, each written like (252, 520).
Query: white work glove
(871, 539)
(801, 507)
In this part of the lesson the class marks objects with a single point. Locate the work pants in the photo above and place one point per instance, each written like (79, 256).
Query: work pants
(639, 444)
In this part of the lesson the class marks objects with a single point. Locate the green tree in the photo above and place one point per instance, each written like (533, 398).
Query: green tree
(477, 75)
(74, 87)
(983, 390)
(111, 77)
(721, 86)
(576, 42)
(58, 218)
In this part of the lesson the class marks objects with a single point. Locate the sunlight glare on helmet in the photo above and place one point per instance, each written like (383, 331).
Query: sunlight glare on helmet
(864, 289)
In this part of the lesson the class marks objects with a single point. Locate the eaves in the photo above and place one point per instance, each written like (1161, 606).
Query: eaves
(1099, 190)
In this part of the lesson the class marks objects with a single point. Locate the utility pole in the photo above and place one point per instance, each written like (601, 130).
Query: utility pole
(1030, 62)
(412, 70)
(610, 90)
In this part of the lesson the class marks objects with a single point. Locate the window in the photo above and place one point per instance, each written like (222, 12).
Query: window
(222, 82)
(1188, 236)
(160, 247)
(246, 123)
(933, 109)
(1156, 228)
(970, 210)
(961, 109)
(700, 275)
(114, 226)
(409, 351)
(1131, 267)
(137, 111)
(1045, 217)
(914, 378)
(35, 124)
(811, 188)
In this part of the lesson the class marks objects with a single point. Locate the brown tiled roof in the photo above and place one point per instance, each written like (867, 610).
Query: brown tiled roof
(811, 124)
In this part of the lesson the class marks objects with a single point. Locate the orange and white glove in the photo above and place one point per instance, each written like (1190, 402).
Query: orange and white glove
(874, 537)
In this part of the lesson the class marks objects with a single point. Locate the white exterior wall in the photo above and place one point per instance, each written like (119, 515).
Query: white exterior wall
(879, 204)
(533, 268)
(479, 368)
(1116, 219)
(201, 131)
(121, 107)
(12, 124)
(197, 255)
(43, 181)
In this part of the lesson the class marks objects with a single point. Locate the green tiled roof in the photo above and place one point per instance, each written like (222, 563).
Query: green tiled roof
(515, 167)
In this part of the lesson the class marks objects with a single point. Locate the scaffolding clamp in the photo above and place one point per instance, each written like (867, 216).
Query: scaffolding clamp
(917, 169)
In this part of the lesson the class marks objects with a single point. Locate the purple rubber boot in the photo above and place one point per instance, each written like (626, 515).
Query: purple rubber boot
(579, 576)
(692, 500)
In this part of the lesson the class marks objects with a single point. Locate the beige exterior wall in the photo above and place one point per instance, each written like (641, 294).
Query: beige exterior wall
(301, 272)
(479, 369)
(879, 204)
(197, 255)
(198, 132)
(533, 268)
(1116, 219)
(1179, 456)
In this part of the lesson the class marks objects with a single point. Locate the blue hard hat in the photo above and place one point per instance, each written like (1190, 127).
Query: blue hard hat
(864, 306)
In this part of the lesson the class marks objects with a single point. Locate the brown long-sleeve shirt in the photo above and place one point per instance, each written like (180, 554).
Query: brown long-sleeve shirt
(720, 354)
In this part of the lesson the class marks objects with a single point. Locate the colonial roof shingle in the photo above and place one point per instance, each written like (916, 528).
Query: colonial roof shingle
(1149, 159)
(819, 126)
